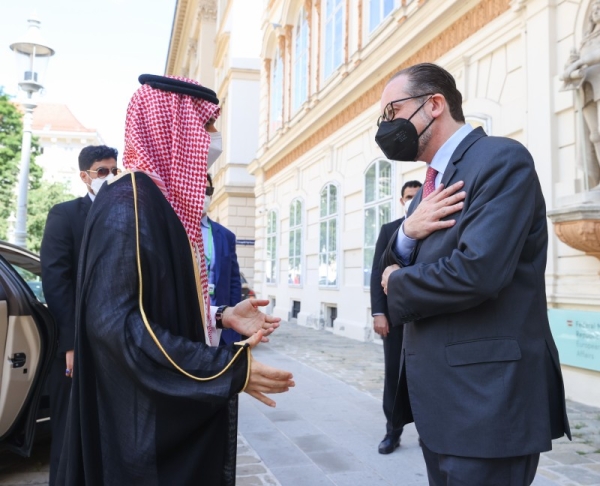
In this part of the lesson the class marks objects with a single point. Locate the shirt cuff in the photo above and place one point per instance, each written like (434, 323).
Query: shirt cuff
(404, 246)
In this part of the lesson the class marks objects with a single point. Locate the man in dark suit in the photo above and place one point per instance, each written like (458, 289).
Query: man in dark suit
(59, 257)
(224, 282)
(392, 336)
(480, 373)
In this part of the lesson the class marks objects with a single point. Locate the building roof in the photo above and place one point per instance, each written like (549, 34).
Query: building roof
(57, 118)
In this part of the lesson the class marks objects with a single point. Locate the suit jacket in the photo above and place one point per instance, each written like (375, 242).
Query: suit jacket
(59, 256)
(479, 362)
(228, 284)
(378, 298)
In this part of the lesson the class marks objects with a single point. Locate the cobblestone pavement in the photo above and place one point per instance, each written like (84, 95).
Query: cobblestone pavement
(19, 471)
(359, 365)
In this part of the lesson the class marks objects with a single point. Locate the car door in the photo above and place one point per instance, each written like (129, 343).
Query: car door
(27, 344)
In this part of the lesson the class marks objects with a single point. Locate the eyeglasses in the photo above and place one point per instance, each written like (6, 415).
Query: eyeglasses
(210, 190)
(389, 113)
(102, 172)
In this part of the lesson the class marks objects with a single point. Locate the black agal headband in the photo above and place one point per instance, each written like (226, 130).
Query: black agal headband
(176, 86)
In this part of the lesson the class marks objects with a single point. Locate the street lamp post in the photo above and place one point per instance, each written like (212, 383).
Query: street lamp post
(32, 55)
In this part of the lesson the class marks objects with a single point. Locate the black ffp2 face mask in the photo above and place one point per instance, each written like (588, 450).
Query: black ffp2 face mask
(398, 139)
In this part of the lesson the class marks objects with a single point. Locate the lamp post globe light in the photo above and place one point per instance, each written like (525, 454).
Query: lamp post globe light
(32, 54)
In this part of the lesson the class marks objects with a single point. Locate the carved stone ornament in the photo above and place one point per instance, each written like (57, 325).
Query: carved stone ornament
(207, 10)
(582, 74)
(578, 226)
(517, 5)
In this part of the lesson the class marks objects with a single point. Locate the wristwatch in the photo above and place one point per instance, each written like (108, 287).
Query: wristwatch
(219, 316)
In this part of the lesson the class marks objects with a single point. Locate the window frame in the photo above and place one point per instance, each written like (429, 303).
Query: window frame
(301, 62)
(276, 94)
(268, 236)
(296, 228)
(329, 71)
(382, 16)
(327, 219)
(377, 202)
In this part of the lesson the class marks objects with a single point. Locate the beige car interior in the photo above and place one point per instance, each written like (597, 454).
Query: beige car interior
(19, 360)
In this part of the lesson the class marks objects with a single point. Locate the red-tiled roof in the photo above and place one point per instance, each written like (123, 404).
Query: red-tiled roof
(57, 118)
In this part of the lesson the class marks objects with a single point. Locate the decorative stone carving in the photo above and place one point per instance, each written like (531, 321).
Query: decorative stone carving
(577, 220)
(207, 10)
(579, 227)
(347, 34)
(281, 44)
(360, 22)
(582, 73)
(517, 5)
(192, 48)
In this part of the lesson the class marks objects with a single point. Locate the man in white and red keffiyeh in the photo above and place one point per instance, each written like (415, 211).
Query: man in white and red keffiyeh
(153, 398)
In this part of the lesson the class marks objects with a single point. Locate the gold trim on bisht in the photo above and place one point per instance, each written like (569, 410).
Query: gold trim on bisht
(145, 319)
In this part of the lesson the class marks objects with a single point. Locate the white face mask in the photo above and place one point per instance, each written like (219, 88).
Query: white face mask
(407, 205)
(216, 147)
(96, 183)
(207, 200)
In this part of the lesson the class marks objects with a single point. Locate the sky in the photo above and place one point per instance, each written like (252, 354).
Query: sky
(101, 47)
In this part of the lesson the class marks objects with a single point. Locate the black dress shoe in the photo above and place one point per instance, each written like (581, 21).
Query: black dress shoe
(389, 444)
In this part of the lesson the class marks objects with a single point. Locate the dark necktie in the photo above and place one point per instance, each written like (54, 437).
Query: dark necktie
(429, 185)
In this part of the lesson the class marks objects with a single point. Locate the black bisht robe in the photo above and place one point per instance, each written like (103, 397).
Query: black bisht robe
(133, 418)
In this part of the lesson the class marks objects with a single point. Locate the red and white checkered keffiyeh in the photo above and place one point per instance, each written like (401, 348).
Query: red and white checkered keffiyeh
(165, 137)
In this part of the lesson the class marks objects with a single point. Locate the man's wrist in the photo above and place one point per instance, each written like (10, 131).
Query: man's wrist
(220, 317)
(226, 319)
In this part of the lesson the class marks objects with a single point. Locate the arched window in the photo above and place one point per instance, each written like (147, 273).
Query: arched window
(334, 35)
(295, 251)
(328, 237)
(378, 210)
(301, 61)
(276, 115)
(379, 10)
(271, 259)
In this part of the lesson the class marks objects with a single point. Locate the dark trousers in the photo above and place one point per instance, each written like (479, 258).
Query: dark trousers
(59, 390)
(445, 470)
(392, 348)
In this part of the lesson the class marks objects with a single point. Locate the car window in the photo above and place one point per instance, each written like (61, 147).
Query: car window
(34, 282)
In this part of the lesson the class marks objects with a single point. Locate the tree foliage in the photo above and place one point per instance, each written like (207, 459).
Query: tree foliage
(41, 194)
(40, 201)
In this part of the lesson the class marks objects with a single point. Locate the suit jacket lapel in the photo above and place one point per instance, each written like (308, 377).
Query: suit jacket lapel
(85, 205)
(458, 154)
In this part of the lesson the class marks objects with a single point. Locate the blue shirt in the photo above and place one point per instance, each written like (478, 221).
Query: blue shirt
(404, 244)
(209, 252)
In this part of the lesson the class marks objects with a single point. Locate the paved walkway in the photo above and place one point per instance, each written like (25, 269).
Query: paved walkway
(326, 430)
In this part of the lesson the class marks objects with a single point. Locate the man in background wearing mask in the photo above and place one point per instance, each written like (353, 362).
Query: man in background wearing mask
(392, 336)
(480, 373)
(59, 257)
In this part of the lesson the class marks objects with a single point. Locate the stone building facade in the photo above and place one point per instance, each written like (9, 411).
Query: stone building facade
(322, 187)
(61, 137)
(218, 44)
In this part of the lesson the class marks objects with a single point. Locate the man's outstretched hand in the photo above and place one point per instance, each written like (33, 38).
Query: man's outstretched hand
(266, 379)
(246, 319)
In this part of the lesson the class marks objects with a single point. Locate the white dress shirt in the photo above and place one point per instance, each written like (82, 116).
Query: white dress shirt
(404, 244)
